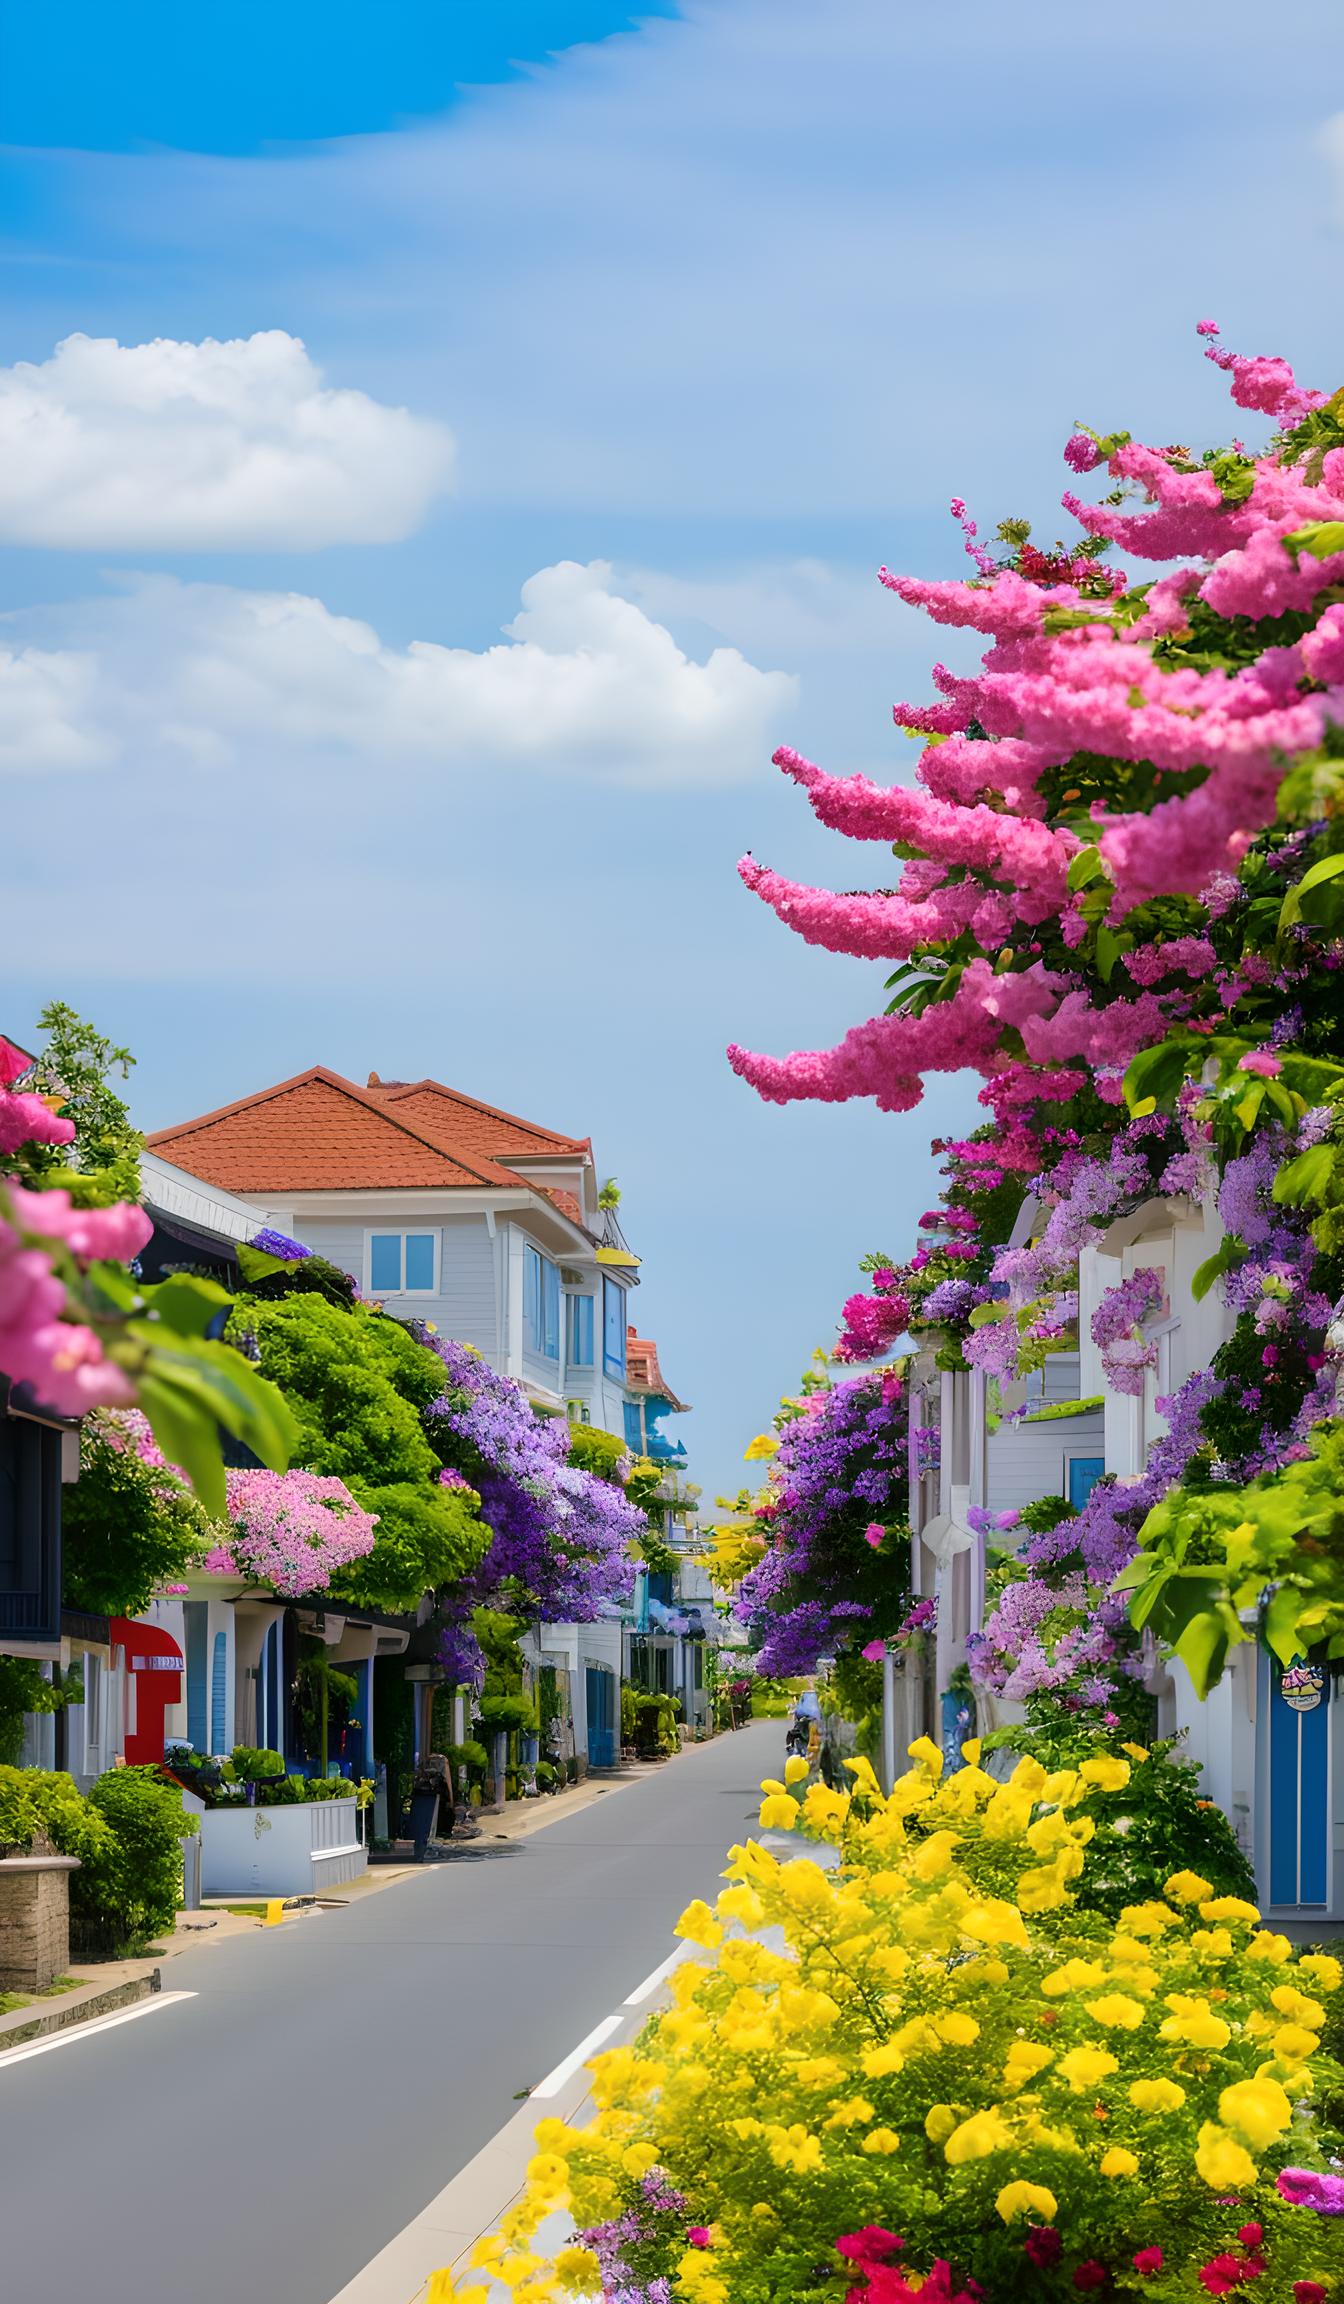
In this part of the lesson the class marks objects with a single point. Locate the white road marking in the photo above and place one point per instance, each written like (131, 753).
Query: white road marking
(651, 1983)
(555, 2081)
(75, 2032)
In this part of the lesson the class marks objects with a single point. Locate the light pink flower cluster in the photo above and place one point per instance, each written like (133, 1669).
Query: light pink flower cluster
(42, 1344)
(291, 1531)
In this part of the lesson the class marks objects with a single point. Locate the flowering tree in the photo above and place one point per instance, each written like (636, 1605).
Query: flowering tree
(1120, 903)
(80, 1334)
(834, 1513)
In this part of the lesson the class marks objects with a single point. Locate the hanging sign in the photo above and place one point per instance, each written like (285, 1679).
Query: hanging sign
(1303, 1686)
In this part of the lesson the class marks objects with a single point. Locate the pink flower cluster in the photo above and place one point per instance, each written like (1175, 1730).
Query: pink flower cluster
(291, 1531)
(42, 1343)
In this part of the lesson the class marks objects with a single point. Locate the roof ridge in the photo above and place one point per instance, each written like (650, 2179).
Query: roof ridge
(399, 1088)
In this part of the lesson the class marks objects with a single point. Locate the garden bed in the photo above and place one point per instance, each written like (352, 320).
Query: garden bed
(300, 1848)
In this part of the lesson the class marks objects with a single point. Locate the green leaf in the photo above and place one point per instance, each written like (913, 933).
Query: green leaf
(1319, 537)
(1225, 1258)
(1086, 867)
(256, 1264)
(1203, 1646)
(1109, 949)
(1281, 1623)
(1308, 1177)
(1158, 1072)
(984, 1313)
(1326, 868)
(1247, 1108)
(187, 1304)
(193, 1385)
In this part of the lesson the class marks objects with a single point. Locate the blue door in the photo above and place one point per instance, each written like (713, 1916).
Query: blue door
(1299, 1787)
(601, 1695)
(1084, 1473)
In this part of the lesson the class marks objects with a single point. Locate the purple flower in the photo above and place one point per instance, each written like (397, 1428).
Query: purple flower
(272, 1243)
(1311, 2188)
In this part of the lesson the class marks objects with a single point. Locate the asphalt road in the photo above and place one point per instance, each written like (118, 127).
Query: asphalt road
(259, 2143)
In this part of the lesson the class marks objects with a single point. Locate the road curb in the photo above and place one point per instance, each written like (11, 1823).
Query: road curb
(79, 2007)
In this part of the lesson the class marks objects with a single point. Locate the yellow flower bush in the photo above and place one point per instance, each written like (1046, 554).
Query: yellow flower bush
(935, 2040)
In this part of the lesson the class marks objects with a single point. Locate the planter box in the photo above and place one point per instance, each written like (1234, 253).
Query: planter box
(34, 1921)
(301, 1849)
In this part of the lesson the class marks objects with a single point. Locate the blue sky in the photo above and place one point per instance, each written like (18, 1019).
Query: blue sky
(683, 319)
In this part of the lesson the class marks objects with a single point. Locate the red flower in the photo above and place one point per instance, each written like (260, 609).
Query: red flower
(1225, 2272)
(1251, 2235)
(1148, 2260)
(1308, 2292)
(698, 2236)
(871, 2242)
(1043, 2246)
(1090, 2275)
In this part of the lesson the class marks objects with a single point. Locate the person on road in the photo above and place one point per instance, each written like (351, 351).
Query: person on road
(432, 1782)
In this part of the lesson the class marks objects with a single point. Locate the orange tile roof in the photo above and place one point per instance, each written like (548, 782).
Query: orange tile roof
(476, 1127)
(320, 1133)
(642, 1372)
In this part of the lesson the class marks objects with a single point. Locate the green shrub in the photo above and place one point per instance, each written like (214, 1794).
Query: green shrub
(24, 1689)
(253, 1763)
(500, 1715)
(129, 1888)
(127, 1528)
(1158, 1824)
(41, 1803)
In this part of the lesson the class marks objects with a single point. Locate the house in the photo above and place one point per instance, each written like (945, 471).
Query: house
(1270, 1745)
(491, 1228)
(672, 1621)
(445, 1209)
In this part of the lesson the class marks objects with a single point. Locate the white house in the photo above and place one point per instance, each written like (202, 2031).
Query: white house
(486, 1226)
(444, 1209)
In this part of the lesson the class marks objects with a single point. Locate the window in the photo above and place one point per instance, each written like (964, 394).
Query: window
(634, 1438)
(403, 1263)
(541, 1304)
(613, 1328)
(579, 1331)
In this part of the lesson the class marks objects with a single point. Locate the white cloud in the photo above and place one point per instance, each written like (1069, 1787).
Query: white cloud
(585, 684)
(193, 447)
(46, 699)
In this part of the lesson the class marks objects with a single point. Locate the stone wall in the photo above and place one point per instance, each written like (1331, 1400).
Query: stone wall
(34, 1921)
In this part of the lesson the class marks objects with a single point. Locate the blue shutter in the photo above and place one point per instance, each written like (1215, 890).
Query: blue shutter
(633, 1437)
(385, 1263)
(613, 1328)
(420, 1261)
(219, 1665)
(550, 1287)
(194, 1612)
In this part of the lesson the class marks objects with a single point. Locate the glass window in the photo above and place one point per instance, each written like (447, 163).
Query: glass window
(385, 1263)
(420, 1261)
(613, 1328)
(532, 1298)
(550, 1310)
(401, 1263)
(541, 1304)
(579, 1332)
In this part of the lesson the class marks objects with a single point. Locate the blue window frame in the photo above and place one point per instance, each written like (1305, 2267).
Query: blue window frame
(613, 1327)
(633, 1437)
(402, 1263)
(541, 1304)
(579, 1331)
